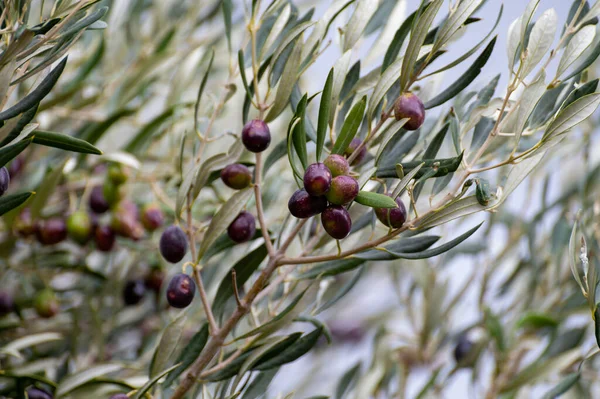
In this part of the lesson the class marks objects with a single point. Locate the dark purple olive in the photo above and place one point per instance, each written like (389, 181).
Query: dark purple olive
(256, 136)
(354, 144)
(336, 221)
(98, 204)
(173, 244)
(119, 396)
(104, 237)
(152, 217)
(463, 349)
(317, 179)
(236, 176)
(4, 180)
(79, 227)
(337, 164)
(154, 279)
(45, 303)
(133, 292)
(343, 190)
(392, 217)
(242, 229)
(7, 303)
(37, 393)
(303, 205)
(410, 106)
(180, 291)
(52, 231)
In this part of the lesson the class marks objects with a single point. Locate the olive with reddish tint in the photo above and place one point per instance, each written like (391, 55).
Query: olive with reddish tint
(7, 303)
(173, 244)
(154, 279)
(337, 165)
(37, 393)
(317, 179)
(133, 292)
(303, 205)
(392, 217)
(336, 221)
(180, 291)
(98, 204)
(256, 136)
(410, 106)
(236, 176)
(4, 180)
(52, 231)
(353, 146)
(242, 229)
(45, 303)
(79, 227)
(24, 225)
(343, 190)
(119, 396)
(126, 225)
(152, 217)
(104, 237)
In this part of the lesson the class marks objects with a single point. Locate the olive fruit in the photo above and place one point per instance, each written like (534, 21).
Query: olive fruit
(97, 203)
(119, 396)
(45, 303)
(16, 166)
(463, 349)
(37, 393)
(152, 217)
(173, 244)
(180, 291)
(242, 229)
(24, 225)
(317, 179)
(410, 106)
(112, 192)
(343, 190)
(104, 237)
(51, 231)
(256, 136)
(126, 224)
(133, 292)
(236, 176)
(117, 174)
(336, 221)
(154, 279)
(7, 303)
(303, 205)
(392, 217)
(4, 180)
(337, 165)
(353, 146)
(79, 227)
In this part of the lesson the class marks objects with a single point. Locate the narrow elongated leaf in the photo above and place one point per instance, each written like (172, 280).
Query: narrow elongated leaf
(455, 21)
(12, 201)
(385, 83)
(167, 345)
(146, 133)
(358, 22)
(540, 40)
(9, 152)
(465, 79)
(299, 132)
(28, 341)
(189, 354)
(331, 268)
(64, 142)
(83, 377)
(85, 22)
(394, 48)
(563, 386)
(286, 83)
(347, 381)
(227, 12)
(24, 120)
(573, 115)
(375, 200)
(420, 28)
(203, 86)
(147, 386)
(293, 352)
(37, 94)
(529, 99)
(350, 127)
(324, 112)
(342, 292)
(589, 60)
(577, 45)
(223, 218)
(405, 180)
(259, 384)
(442, 167)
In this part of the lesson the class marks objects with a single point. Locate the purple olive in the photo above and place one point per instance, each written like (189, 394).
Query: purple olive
(180, 291)
(37, 393)
(410, 106)
(7, 303)
(337, 164)
(133, 292)
(343, 190)
(119, 396)
(256, 136)
(303, 205)
(317, 179)
(392, 217)
(152, 217)
(353, 146)
(52, 231)
(173, 244)
(104, 237)
(336, 221)
(16, 166)
(45, 303)
(463, 348)
(154, 279)
(242, 229)
(98, 204)
(236, 176)
(4, 180)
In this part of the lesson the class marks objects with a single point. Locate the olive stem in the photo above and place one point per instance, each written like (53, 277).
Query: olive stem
(236, 292)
